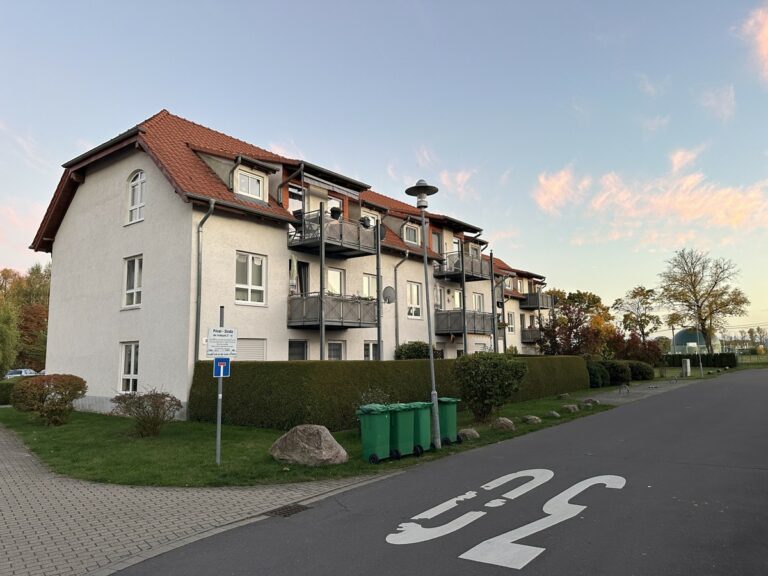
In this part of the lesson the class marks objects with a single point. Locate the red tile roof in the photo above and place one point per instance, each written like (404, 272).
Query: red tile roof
(387, 203)
(394, 242)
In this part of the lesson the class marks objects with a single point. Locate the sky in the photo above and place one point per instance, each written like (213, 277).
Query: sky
(589, 139)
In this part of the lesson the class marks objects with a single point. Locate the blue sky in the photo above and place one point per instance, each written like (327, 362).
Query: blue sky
(589, 139)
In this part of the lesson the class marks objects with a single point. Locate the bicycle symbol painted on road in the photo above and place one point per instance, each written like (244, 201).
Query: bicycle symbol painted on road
(502, 550)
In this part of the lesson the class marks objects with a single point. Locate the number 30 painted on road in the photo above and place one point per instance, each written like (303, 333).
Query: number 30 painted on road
(502, 550)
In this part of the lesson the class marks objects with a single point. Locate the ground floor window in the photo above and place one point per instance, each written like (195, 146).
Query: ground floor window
(253, 349)
(371, 350)
(336, 350)
(129, 380)
(297, 349)
(510, 322)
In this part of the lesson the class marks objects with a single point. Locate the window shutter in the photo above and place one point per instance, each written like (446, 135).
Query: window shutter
(253, 349)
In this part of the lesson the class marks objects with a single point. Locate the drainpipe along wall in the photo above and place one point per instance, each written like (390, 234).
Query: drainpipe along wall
(397, 301)
(211, 205)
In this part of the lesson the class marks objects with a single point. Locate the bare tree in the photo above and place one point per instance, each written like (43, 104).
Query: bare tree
(638, 306)
(698, 287)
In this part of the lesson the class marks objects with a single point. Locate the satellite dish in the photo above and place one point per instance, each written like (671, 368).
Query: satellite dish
(388, 294)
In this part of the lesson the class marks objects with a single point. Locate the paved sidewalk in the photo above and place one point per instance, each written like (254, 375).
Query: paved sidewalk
(639, 391)
(52, 525)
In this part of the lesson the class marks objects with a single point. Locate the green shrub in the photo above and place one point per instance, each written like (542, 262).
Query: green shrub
(412, 351)
(50, 396)
(707, 360)
(640, 370)
(6, 387)
(281, 395)
(486, 381)
(618, 372)
(598, 375)
(150, 410)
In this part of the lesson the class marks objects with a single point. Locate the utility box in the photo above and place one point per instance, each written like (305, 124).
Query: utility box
(686, 367)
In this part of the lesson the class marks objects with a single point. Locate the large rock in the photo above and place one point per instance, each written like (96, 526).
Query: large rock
(569, 408)
(564, 396)
(530, 419)
(310, 445)
(553, 414)
(468, 434)
(502, 423)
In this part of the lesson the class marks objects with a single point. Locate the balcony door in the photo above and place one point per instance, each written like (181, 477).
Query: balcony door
(335, 281)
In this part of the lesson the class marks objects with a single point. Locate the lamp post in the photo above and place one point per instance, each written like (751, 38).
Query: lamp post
(421, 190)
(698, 346)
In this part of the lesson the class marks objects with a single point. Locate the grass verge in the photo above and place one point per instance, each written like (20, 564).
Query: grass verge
(102, 448)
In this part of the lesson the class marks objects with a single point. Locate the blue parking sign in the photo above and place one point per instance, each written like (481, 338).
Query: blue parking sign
(221, 367)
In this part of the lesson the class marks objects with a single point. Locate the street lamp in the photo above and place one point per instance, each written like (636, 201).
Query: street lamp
(698, 346)
(421, 190)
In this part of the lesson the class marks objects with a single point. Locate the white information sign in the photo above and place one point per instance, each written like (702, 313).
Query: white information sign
(221, 342)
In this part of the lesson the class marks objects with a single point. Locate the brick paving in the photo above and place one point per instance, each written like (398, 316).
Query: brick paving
(51, 525)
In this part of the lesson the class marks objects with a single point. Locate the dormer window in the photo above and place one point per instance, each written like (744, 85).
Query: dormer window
(474, 251)
(411, 234)
(249, 183)
(136, 186)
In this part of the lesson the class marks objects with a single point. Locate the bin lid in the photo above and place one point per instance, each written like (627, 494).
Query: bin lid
(446, 400)
(372, 409)
(398, 407)
(420, 405)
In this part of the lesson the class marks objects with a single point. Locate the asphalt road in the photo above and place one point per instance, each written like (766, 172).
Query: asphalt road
(679, 485)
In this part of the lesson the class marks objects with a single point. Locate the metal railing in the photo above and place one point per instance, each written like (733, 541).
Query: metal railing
(531, 301)
(450, 322)
(530, 335)
(339, 232)
(475, 267)
(340, 310)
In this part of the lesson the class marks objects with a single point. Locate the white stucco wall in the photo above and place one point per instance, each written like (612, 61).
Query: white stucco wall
(87, 320)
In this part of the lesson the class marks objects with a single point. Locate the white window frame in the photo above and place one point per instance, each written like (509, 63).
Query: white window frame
(342, 278)
(478, 301)
(440, 298)
(456, 300)
(249, 286)
(136, 183)
(417, 233)
(132, 295)
(306, 350)
(131, 376)
(251, 177)
(370, 349)
(474, 251)
(342, 343)
(511, 322)
(370, 285)
(415, 309)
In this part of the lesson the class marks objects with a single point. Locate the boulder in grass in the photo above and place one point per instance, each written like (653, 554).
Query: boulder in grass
(468, 434)
(530, 419)
(564, 396)
(309, 445)
(591, 401)
(502, 423)
(553, 414)
(571, 408)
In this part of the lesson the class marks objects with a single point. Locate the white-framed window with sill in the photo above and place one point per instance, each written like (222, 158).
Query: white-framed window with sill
(511, 322)
(411, 234)
(478, 301)
(136, 189)
(440, 298)
(334, 281)
(369, 286)
(336, 349)
(414, 300)
(248, 183)
(457, 299)
(371, 350)
(133, 273)
(250, 279)
(129, 363)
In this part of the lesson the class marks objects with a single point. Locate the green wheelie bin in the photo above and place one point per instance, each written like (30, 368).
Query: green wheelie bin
(422, 427)
(374, 429)
(400, 430)
(447, 412)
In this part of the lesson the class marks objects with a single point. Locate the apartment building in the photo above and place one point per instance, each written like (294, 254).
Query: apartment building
(152, 232)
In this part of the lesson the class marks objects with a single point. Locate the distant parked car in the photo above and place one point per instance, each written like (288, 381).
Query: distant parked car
(20, 372)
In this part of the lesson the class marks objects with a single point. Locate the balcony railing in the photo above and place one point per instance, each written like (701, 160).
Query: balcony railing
(340, 311)
(475, 267)
(531, 301)
(530, 335)
(450, 322)
(343, 238)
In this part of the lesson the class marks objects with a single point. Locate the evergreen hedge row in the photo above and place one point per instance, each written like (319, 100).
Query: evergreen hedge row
(284, 394)
(5, 391)
(708, 360)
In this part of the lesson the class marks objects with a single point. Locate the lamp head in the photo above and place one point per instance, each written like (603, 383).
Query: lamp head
(421, 190)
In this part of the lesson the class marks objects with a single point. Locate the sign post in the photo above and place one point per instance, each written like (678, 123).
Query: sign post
(221, 344)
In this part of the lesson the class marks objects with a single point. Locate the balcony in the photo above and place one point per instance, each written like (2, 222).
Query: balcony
(450, 322)
(343, 238)
(531, 301)
(475, 268)
(341, 312)
(530, 336)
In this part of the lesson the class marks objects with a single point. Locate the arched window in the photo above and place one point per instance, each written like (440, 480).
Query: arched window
(136, 188)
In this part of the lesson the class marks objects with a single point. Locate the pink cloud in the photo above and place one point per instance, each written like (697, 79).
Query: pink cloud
(288, 149)
(559, 189)
(458, 183)
(425, 156)
(682, 158)
(755, 30)
(720, 102)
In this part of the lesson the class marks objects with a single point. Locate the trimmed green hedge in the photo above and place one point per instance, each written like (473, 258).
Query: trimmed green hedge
(5, 391)
(283, 394)
(707, 360)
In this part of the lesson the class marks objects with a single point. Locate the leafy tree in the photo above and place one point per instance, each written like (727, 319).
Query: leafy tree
(664, 343)
(637, 306)
(698, 288)
(762, 335)
(580, 324)
(9, 334)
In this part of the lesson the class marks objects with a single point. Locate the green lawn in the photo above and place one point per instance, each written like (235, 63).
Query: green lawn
(102, 448)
